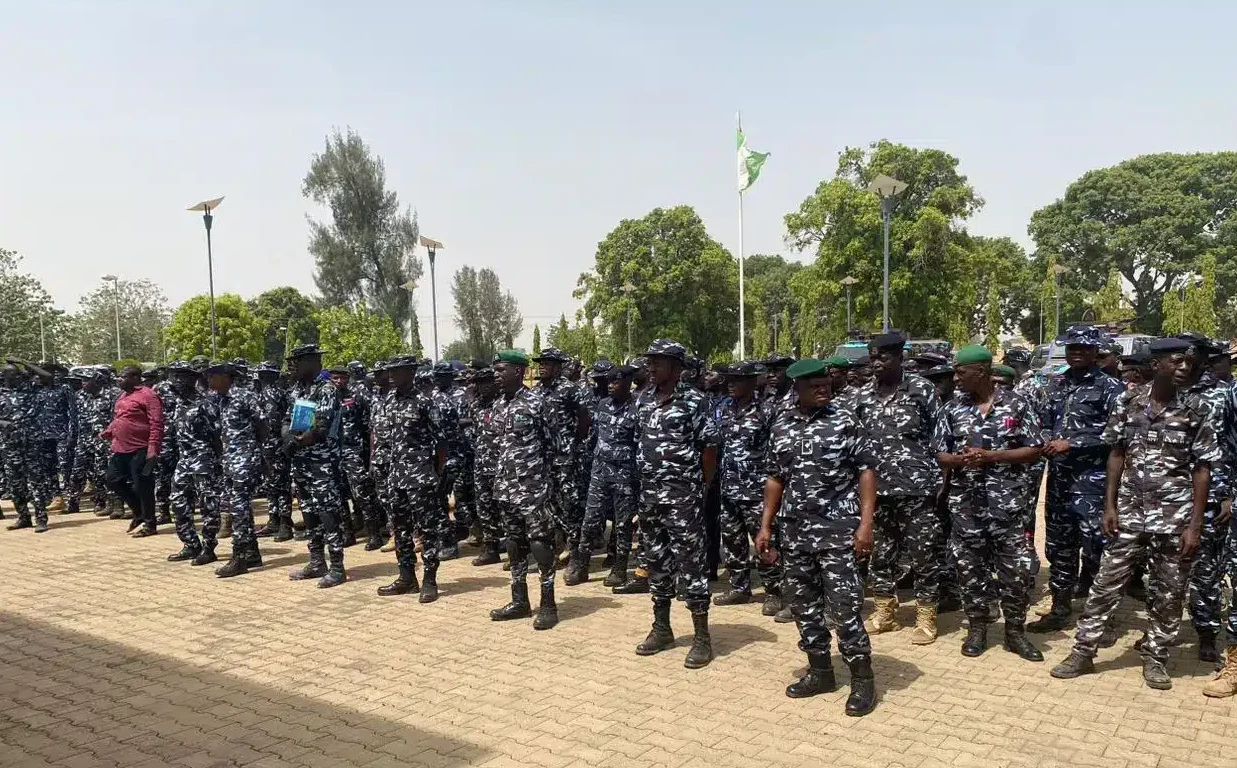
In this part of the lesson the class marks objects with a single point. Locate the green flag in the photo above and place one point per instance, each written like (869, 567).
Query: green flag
(749, 163)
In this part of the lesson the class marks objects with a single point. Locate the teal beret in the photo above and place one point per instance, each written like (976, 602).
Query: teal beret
(807, 367)
(513, 356)
(973, 353)
(837, 361)
(1004, 370)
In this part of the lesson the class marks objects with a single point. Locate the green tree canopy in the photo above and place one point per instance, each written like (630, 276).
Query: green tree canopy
(367, 253)
(486, 314)
(23, 301)
(1152, 218)
(583, 340)
(240, 333)
(767, 296)
(1191, 305)
(536, 339)
(142, 310)
(684, 285)
(347, 335)
(286, 314)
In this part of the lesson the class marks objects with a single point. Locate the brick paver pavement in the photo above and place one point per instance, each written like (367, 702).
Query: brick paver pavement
(110, 656)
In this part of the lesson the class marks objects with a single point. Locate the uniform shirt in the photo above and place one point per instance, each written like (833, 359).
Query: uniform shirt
(409, 432)
(380, 449)
(14, 413)
(1211, 395)
(615, 425)
(743, 432)
(1077, 410)
(995, 491)
(355, 418)
(1162, 448)
(53, 412)
(524, 448)
(818, 458)
(275, 402)
(562, 401)
(94, 411)
(901, 430)
(673, 436)
(239, 416)
(197, 433)
(169, 398)
(326, 418)
(485, 435)
(448, 404)
(846, 399)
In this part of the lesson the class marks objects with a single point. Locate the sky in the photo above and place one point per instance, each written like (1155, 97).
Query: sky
(523, 132)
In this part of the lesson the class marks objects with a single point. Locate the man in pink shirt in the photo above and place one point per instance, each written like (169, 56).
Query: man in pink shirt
(136, 433)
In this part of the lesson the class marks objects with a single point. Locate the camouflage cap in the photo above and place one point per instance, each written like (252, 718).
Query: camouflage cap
(402, 361)
(667, 348)
(602, 368)
(221, 367)
(552, 355)
(267, 367)
(199, 362)
(742, 370)
(444, 368)
(1083, 336)
(305, 350)
(483, 374)
(1169, 345)
(778, 360)
(1200, 342)
(1017, 356)
(938, 371)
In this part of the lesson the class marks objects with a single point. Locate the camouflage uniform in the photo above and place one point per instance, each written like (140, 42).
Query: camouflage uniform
(240, 413)
(90, 457)
(1215, 398)
(274, 402)
(312, 472)
(988, 503)
(448, 404)
(355, 421)
(524, 451)
(563, 401)
(408, 432)
(743, 433)
(165, 465)
(1154, 505)
(485, 468)
(673, 435)
(14, 436)
(380, 457)
(463, 489)
(586, 447)
(52, 421)
(1076, 409)
(818, 458)
(901, 430)
(612, 488)
(195, 481)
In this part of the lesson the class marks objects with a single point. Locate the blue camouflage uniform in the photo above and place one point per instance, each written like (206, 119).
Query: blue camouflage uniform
(196, 477)
(612, 488)
(94, 412)
(313, 465)
(52, 423)
(240, 414)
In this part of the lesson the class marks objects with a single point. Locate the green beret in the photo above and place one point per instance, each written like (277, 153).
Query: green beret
(973, 353)
(1004, 370)
(513, 356)
(838, 361)
(806, 368)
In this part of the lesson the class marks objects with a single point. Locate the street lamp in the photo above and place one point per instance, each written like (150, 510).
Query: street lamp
(115, 281)
(206, 206)
(1058, 270)
(888, 188)
(629, 289)
(848, 281)
(431, 249)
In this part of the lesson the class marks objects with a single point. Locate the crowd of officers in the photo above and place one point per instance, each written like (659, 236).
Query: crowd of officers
(812, 476)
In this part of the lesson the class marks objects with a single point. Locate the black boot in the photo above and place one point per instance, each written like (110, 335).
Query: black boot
(163, 518)
(636, 585)
(862, 699)
(268, 530)
(429, 585)
(518, 608)
(314, 569)
(237, 564)
(818, 678)
(1085, 579)
(489, 554)
(75, 506)
(1057, 618)
(449, 550)
(1016, 642)
(1075, 665)
(284, 533)
(618, 573)
(577, 571)
(335, 575)
(733, 597)
(406, 583)
(1207, 646)
(253, 556)
(547, 612)
(701, 652)
(976, 639)
(375, 540)
(348, 534)
(358, 521)
(186, 553)
(772, 603)
(660, 636)
(205, 557)
(22, 522)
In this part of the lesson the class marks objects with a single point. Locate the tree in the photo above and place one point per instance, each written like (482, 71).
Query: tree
(1192, 305)
(685, 285)
(346, 335)
(536, 339)
(767, 295)
(456, 350)
(288, 317)
(142, 310)
(23, 301)
(366, 254)
(1152, 218)
(583, 340)
(486, 314)
(785, 333)
(239, 331)
(1109, 302)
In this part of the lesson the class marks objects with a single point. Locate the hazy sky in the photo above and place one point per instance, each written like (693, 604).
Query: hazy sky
(522, 132)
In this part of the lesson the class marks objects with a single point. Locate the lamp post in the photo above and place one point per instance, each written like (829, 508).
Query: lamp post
(431, 249)
(848, 281)
(42, 337)
(115, 281)
(1058, 270)
(888, 188)
(409, 286)
(629, 289)
(206, 206)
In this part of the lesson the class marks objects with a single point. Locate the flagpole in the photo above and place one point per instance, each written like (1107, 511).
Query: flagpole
(742, 314)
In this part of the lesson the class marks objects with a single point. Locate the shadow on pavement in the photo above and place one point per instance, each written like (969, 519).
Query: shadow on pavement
(728, 638)
(464, 586)
(73, 698)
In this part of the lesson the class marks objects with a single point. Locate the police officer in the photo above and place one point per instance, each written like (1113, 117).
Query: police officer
(743, 422)
(412, 436)
(776, 385)
(822, 490)
(1077, 406)
(96, 401)
(355, 421)
(526, 451)
(50, 423)
(196, 477)
(677, 456)
(274, 401)
(1159, 470)
(568, 421)
(312, 443)
(380, 457)
(485, 464)
(990, 436)
(243, 431)
(612, 488)
(900, 417)
(448, 398)
(165, 466)
(14, 436)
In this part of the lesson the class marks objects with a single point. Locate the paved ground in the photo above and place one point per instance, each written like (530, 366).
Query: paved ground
(110, 656)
